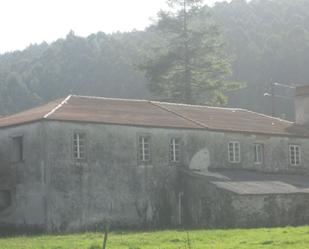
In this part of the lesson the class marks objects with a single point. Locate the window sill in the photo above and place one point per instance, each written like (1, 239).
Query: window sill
(176, 164)
(297, 166)
(80, 163)
(145, 166)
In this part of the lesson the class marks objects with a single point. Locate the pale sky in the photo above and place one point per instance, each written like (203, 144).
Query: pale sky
(23, 22)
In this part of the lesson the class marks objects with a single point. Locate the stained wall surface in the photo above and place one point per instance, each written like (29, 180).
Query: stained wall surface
(22, 184)
(208, 206)
(51, 190)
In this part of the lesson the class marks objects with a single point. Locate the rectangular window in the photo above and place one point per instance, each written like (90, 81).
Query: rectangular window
(79, 146)
(5, 199)
(144, 148)
(18, 153)
(234, 152)
(295, 155)
(175, 150)
(258, 153)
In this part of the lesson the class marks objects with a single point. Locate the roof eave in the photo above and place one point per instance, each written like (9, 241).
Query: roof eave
(159, 126)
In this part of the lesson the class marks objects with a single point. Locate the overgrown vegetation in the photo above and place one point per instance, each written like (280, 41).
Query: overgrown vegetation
(268, 40)
(294, 238)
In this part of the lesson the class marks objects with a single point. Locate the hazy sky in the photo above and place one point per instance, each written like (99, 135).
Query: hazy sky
(32, 21)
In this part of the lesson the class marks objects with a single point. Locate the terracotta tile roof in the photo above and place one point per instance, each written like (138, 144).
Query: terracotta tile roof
(155, 114)
(229, 119)
(28, 116)
(118, 111)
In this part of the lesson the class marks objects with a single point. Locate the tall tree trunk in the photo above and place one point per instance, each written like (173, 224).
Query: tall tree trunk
(187, 73)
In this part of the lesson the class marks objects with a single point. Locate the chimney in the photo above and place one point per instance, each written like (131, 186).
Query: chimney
(302, 105)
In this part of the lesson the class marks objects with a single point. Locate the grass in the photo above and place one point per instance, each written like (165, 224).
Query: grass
(296, 238)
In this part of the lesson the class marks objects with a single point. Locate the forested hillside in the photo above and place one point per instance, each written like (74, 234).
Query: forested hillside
(100, 65)
(268, 41)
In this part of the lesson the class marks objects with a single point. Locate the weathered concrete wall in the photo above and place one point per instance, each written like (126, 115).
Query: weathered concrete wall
(24, 180)
(271, 210)
(208, 206)
(205, 205)
(110, 186)
(51, 190)
(276, 151)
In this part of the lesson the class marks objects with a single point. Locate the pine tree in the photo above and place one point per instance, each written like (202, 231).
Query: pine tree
(189, 63)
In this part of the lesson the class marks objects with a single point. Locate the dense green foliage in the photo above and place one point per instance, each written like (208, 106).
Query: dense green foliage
(189, 63)
(267, 39)
(283, 238)
(100, 65)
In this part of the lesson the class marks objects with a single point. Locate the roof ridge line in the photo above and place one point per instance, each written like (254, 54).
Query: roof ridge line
(202, 106)
(58, 106)
(267, 116)
(156, 101)
(178, 114)
(108, 98)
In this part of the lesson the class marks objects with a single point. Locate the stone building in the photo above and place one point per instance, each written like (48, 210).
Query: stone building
(79, 162)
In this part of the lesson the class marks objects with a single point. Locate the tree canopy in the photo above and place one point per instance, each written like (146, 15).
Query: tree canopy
(267, 40)
(188, 62)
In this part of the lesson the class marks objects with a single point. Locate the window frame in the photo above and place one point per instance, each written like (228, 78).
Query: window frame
(21, 156)
(141, 156)
(235, 155)
(258, 155)
(294, 161)
(173, 151)
(78, 158)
